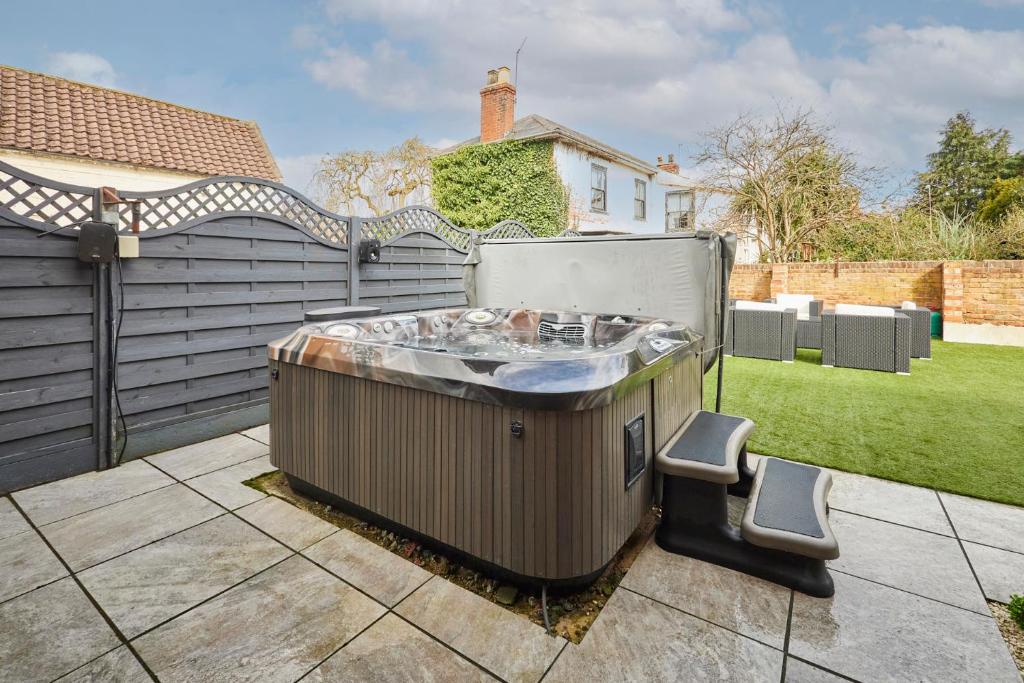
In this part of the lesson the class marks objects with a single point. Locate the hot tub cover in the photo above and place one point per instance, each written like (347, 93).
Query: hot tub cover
(677, 277)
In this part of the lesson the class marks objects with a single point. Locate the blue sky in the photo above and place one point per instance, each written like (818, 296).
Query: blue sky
(646, 76)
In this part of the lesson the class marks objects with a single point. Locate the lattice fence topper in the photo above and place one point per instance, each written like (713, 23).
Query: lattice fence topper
(570, 233)
(508, 230)
(39, 200)
(416, 219)
(179, 206)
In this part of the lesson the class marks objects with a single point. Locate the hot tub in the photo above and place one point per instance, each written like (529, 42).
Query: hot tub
(520, 439)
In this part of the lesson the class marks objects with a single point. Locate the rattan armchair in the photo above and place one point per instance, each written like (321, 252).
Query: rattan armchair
(859, 337)
(920, 329)
(761, 330)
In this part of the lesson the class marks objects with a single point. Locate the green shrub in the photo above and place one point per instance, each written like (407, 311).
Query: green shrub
(1005, 239)
(1016, 609)
(480, 185)
(1004, 195)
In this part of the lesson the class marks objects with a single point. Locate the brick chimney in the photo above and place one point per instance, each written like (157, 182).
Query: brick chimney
(497, 105)
(671, 166)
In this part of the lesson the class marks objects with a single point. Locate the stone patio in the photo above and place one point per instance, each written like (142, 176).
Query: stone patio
(170, 567)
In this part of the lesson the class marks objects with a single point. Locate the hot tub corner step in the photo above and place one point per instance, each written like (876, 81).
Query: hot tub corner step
(706, 447)
(788, 510)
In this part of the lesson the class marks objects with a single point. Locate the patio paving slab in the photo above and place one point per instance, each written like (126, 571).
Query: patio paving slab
(886, 500)
(260, 433)
(392, 650)
(207, 456)
(739, 602)
(117, 665)
(276, 626)
(872, 632)
(60, 499)
(11, 521)
(916, 561)
(982, 521)
(292, 526)
(26, 563)
(158, 581)
(802, 672)
(49, 632)
(637, 639)
(225, 486)
(504, 643)
(370, 568)
(1000, 572)
(98, 535)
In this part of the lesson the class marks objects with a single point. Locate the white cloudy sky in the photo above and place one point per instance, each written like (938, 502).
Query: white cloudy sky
(647, 76)
(659, 72)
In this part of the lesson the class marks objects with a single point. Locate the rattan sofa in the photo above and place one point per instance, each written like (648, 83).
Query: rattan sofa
(761, 330)
(808, 318)
(866, 337)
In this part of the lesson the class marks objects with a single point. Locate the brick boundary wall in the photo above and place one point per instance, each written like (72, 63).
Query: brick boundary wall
(969, 293)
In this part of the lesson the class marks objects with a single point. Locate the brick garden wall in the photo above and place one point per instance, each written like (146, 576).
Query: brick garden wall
(752, 282)
(972, 292)
(993, 292)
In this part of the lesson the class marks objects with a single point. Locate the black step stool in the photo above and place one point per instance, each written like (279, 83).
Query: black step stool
(784, 537)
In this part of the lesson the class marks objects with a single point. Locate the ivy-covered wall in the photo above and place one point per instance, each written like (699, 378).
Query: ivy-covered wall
(480, 185)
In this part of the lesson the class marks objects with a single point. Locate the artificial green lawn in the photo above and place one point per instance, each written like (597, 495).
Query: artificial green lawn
(956, 423)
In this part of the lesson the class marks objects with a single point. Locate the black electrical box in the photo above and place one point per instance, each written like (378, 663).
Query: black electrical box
(369, 251)
(97, 243)
(636, 451)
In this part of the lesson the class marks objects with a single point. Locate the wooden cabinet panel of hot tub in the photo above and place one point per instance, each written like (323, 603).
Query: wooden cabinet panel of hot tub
(549, 504)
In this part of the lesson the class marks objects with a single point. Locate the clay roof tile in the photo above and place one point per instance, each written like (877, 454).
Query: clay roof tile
(51, 114)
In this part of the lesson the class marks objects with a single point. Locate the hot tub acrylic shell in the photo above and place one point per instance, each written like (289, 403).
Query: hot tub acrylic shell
(534, 495)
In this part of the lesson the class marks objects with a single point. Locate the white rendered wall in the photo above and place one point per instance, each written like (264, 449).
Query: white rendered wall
(573, 166)
(96, 173)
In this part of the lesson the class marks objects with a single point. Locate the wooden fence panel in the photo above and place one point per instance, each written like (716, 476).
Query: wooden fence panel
(201, 305)
(46, 358)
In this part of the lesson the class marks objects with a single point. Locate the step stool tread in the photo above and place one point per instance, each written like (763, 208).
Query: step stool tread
(787, 509)
(706, 447)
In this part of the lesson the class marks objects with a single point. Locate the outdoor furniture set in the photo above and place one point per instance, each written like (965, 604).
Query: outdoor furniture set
(881, 338)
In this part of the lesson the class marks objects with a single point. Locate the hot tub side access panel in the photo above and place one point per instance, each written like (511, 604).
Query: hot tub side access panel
(548, 504)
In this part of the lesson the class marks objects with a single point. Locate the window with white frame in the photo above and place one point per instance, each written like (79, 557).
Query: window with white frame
(679, 211)
(639, 200)
(598, 188)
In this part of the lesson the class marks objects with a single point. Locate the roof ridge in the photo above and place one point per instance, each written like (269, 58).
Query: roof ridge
(125, 93)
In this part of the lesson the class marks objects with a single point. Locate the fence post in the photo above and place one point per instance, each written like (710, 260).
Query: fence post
(102, 329)
(355, 231)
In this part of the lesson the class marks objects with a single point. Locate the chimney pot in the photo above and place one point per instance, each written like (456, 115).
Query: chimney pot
(670, 166)
(492, 76)
(504, 74)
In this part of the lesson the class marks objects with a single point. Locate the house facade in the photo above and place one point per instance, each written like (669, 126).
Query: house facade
(607, 190)
(88, 135)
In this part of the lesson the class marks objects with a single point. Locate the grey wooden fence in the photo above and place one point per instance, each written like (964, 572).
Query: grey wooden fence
(227, 265)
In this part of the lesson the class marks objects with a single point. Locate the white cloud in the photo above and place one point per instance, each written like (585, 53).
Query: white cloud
(298, 171)
(669, 69)
(444, 143)
(82, 66)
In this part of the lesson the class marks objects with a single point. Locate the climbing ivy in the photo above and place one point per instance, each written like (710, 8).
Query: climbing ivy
(480, 185)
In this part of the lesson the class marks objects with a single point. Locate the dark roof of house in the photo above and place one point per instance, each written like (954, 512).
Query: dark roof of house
(534, 127)
(47, 114)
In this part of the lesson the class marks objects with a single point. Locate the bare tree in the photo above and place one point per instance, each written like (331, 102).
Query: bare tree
(785, 177)
(358, 181)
